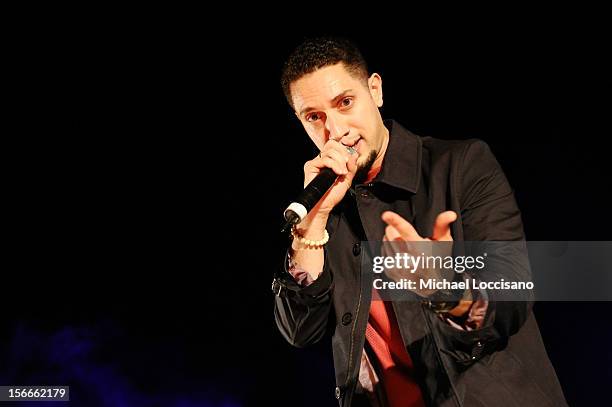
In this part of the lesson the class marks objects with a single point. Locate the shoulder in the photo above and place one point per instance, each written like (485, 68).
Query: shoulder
(455, 148)
(465, 161)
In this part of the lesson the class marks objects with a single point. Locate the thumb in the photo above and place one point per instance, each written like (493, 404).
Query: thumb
(352, 163)
(352, 170)
(441, 230)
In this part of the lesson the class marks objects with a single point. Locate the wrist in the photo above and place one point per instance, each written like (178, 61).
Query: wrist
(453, 303)
(300, 242)
(313, 226)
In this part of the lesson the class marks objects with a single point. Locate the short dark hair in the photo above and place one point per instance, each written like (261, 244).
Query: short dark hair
(316, 53)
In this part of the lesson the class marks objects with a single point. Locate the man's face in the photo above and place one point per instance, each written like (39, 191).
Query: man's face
(333, 104)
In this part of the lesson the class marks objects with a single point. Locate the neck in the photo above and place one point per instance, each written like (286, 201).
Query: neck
(377, 165)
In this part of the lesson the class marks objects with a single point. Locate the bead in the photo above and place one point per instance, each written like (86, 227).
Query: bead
(309, 242)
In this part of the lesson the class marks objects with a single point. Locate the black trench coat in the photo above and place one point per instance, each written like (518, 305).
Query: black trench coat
(504, 363)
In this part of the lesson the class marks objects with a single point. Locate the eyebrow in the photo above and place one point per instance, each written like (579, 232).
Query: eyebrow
(334, 100)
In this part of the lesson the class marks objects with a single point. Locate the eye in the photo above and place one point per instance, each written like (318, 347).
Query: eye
(346, 102)
(312, 117)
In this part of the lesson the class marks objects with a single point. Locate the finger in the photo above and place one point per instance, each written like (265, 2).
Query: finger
(315, 165)
(336, 156)
(333, 145)
(342, 149)
(337, 167)
(403, 227)
(391, 233)
(441, 230)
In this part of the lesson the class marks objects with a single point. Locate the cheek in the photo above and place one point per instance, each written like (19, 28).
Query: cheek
(367, 116)
(370, 125)
(317, 137)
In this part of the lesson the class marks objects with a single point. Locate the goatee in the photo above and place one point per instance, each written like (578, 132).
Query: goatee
(362, 170)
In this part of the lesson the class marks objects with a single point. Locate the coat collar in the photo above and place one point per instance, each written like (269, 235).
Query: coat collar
(401, 165)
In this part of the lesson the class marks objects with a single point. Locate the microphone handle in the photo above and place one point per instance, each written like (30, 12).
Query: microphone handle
(309, 197)
(315, 190)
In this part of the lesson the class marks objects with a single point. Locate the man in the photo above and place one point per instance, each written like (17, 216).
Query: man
(400, 187)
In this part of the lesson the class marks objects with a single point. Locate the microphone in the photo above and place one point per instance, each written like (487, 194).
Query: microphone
(310, 196)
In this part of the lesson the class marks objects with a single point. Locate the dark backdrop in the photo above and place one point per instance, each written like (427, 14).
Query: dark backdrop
(154, 169)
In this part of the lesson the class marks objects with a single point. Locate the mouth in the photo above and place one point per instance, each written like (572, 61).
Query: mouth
(357, 144)
(354, 143)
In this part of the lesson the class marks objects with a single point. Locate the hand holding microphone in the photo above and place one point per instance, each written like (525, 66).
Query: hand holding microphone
(327, 178)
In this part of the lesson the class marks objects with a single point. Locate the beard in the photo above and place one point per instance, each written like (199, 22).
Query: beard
(363, 169)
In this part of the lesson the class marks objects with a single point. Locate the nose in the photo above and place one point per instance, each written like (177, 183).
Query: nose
(335, 127)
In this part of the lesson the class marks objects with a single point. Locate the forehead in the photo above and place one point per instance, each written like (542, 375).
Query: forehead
(322, 86)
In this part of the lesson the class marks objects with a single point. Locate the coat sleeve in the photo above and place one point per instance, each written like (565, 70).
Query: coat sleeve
(301, 313)
(490, 215)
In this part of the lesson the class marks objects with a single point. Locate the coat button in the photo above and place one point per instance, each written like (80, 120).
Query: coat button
(338, 392)
(357, 249)
(477, 350)
(347, 318)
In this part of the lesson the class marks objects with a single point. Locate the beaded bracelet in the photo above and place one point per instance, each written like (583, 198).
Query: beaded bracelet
(307, 242)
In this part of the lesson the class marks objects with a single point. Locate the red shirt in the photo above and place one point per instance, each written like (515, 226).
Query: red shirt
(396, 368)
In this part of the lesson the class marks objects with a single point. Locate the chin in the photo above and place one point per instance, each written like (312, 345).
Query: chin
(366, 159)
(364, 163)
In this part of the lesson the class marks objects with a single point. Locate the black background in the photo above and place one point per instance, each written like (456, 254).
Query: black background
(153, 161)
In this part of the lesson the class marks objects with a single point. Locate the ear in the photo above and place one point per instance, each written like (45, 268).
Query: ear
(375, 88)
